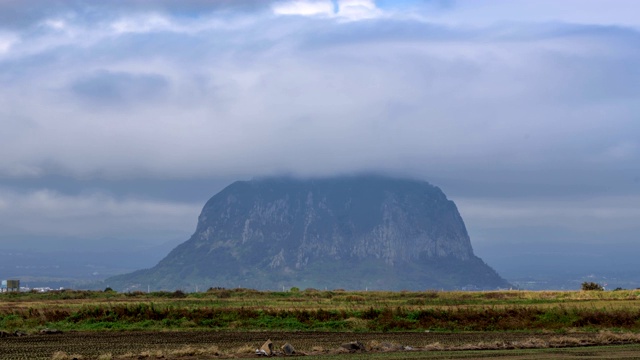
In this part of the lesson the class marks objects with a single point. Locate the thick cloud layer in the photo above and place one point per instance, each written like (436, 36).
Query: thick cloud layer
(486, 99)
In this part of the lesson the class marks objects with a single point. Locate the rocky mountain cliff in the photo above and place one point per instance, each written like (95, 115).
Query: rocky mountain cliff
(351, 232)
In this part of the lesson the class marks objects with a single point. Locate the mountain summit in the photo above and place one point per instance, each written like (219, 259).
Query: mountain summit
(348, 232)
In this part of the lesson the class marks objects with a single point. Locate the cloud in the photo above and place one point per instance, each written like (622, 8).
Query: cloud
(620, 152)
(593, 12)
(535, 103)
(6, 41)
(141, 24)
(44, 213)
(351, 10)
(105, 87)
(358, 9)
(356, 97)
(304, 8)
(594, 214)
(19, 14)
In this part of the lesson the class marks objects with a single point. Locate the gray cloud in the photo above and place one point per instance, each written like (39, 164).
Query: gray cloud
(17, 14)
(543, 11)
(421, 101)
(111, 95)
(589, 215)
(48, 214)
(111, 88)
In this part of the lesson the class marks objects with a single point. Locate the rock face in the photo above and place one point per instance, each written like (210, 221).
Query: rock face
(350, 232)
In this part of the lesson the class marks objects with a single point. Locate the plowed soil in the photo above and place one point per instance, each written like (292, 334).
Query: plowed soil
(91, 345)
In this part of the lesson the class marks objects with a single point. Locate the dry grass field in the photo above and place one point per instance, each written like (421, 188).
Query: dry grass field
(233, 323)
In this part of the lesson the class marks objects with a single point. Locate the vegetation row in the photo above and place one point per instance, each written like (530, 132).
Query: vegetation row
(485, 318)
(337, 310)
(428, 297)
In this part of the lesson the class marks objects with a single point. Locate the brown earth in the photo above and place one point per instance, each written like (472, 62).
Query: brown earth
(224, 344)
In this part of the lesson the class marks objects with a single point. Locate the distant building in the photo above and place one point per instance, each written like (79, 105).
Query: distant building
(10, 285)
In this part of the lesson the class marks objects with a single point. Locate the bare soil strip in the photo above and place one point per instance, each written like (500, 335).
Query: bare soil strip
(183, 345)
(599, 352)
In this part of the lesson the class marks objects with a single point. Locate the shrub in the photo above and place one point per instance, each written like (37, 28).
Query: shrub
(416, 302)
(591, 286)
(355, 298)
(430, 294)
(178, 294)
(223, 294)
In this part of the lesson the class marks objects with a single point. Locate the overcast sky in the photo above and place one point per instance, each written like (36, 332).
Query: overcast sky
(119, 119)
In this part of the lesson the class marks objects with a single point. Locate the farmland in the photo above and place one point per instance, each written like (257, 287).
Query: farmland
(223, 323)
(145, 344)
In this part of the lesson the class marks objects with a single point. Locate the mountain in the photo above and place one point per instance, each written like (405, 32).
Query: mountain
(354, 232)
